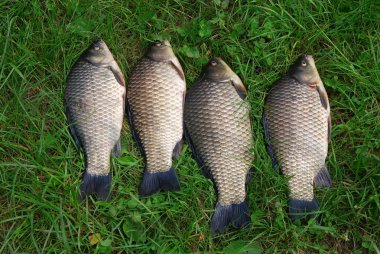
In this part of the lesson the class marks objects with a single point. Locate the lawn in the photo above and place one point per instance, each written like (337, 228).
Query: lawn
(40, 168)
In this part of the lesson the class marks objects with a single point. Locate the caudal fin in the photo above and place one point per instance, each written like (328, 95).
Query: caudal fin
(96, 184)
(303, 210)
(235, 214)
(154, 182)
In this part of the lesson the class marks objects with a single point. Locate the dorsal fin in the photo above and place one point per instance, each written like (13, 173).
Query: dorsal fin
(175, 63)
(117, 73)
(114, 67)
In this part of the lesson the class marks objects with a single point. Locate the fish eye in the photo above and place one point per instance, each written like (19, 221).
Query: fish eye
(303, 63)
(158, 44)
(213, 63)
(96, 48)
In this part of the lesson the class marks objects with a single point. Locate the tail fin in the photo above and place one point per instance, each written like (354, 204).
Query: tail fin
(98, 184)
(154, 182)
(237, 214)
(303, 210)
(323, 178)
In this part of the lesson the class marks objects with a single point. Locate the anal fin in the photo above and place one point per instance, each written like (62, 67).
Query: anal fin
(248, 177)
(117, 149)
(177, 150)
(270, 149)
(322, 178)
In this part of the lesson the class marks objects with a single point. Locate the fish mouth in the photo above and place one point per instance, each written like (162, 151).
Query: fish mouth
(307, 57)
(312, 85)
(164, 42)
(99, 44)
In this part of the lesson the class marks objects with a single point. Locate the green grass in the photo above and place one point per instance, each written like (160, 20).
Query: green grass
(40, 168)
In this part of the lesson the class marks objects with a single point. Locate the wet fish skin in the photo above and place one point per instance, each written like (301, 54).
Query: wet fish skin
(218, 131)
(94, 106)
(155, 98)
(297, 127)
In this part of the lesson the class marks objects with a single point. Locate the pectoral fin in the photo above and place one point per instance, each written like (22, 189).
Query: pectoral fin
(205, 170)
(239, 87)
(117, 73)
(325, 103)
(329, 128)
(135, 135)
(323, 96)
(177, 66)
(72, 128)
(269, 147)
(119, 78)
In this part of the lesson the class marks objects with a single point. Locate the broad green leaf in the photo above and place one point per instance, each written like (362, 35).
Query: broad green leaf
(191, 52)
(106, 242)
(135, 231)
(243, 247)
(127, 160)
(133, 203)
(204, 29)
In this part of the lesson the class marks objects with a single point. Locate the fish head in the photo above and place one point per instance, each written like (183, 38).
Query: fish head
(160, 51)
(305, 71)
(99, 54)
(218, 70)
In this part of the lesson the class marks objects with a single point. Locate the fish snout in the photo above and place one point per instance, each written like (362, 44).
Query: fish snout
(308, 57)
(166, 42)
(99, 43)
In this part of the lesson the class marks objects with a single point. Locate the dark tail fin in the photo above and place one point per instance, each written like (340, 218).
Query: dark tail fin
(323, 178)
(303, 210)
(154, 182)
(236, 214)
(98, 184)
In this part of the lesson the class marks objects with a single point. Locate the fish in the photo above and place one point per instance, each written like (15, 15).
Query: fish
(219, 134)
(297, 128)
(94, 105)
(155, 101)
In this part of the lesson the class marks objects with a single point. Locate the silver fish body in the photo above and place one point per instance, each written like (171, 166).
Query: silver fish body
(218, 130)
(155, 109)
(297, 123)
(94, 105)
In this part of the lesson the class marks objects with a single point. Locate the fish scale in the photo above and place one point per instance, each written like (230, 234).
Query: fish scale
(217, 121)
(155, 99)
(156, 102)
(298, 130)
(95, 99)
(94, 107)
(218, 132)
